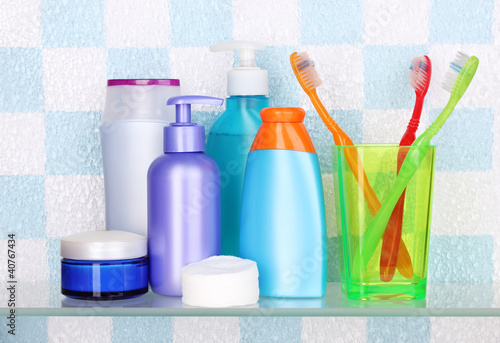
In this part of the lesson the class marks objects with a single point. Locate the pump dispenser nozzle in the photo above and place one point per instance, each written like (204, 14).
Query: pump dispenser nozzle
(246, 79)
(183, 135)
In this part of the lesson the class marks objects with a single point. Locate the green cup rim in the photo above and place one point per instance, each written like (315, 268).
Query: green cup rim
(381, 145)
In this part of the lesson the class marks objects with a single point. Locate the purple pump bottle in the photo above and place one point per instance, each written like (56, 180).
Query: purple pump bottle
(183, 200)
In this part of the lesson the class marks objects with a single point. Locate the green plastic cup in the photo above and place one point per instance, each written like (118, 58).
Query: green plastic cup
(379, 162)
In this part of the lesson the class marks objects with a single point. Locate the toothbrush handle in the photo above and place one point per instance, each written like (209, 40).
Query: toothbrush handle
(411, 130)
(351, 155)
(376, 228)
(339, 136)
(434, 128)
(392, 235)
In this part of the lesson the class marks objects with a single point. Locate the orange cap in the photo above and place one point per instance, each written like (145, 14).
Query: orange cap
(282, 128)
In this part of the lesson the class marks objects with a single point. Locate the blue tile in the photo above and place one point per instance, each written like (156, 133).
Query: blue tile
(21, 81)
(465, 143)
(73, 143)
(351, 121)
(22, 209)
(331, 22)
(386, 76)
(142, 329)
(461, 21)
(143, 63)
(284, 90)
(461, 259)
(73, 23)
(393, 329)
(27, 328)
(200, 23)
(270, 329)
(54, 259)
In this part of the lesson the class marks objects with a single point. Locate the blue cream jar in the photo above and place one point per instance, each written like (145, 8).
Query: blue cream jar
(104, 265)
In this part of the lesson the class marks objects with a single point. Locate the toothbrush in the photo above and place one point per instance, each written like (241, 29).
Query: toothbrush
(457, 80)
(306, 74)
(420, 77)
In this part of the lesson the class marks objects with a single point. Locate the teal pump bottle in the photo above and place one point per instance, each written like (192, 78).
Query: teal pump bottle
(232, 134)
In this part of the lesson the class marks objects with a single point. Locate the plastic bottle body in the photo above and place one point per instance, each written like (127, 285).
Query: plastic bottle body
(283, 225)
(183, 216)
(131, 138)
(129, 148)
(228, 143)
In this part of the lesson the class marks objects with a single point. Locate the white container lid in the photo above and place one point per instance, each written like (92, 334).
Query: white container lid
(104, 245)
(140, 100)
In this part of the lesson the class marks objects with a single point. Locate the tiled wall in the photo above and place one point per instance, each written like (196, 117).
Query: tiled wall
(55, 57)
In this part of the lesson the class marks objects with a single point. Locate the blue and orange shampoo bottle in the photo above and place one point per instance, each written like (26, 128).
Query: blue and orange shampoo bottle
(283, 225)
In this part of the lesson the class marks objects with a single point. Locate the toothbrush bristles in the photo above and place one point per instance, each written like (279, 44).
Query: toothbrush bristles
(307, 72)
(419, 73)
(454, 70)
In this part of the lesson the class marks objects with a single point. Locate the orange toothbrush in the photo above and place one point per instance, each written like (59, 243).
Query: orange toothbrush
(420, 78)
(308, 78)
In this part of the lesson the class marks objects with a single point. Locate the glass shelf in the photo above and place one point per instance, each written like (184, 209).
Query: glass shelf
(443, 300)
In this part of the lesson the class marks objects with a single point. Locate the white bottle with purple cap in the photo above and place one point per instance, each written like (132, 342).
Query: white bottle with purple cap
(131, 138)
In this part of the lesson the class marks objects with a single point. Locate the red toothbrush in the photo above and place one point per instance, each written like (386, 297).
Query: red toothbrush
(420, 77)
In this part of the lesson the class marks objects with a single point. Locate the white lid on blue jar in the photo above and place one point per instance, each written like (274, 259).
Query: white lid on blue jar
(104, 245)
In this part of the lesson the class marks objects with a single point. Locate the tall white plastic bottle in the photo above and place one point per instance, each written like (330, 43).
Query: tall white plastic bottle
(132, 125)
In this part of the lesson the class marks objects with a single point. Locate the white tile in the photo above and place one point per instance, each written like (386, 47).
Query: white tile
(208, 329)
(35, 293)
(267, 22)
(29, 293)
(79, 329)
(20, 23)
(465, 203)
(388, 126)
(496, 23)
(137, 23)
(202, 72)
(74, 79)
(335, 329)
(22, 144)
(457, 329)
(496, 140)
(395, 22)
(340, 69)
(31, 260)
(484, 88)
(74, 204)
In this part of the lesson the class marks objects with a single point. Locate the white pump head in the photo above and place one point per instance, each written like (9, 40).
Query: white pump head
(247, 79)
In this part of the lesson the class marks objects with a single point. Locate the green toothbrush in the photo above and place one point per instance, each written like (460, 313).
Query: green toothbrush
(456, 82)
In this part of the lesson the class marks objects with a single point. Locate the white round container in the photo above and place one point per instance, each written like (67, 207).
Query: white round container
(220, 281)
(132, 138)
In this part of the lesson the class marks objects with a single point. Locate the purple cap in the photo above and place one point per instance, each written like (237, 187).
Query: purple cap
(143, 82)
(183, 135)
